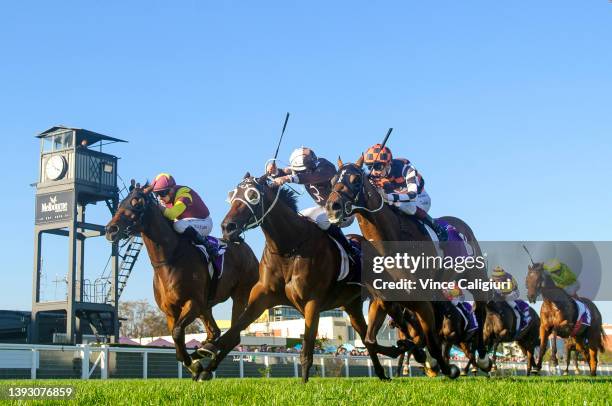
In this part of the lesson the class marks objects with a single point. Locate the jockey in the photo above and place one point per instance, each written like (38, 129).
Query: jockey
(511, 294)
(401, 185)
(184, 207)
(562, 276)
(457, 298)
(315, 174)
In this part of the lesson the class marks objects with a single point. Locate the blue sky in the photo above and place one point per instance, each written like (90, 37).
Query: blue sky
(504, 108)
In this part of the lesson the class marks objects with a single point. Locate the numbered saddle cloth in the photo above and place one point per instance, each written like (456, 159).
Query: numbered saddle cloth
(350, 271)
(584, 317)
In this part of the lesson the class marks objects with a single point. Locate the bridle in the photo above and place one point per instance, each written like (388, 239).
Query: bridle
(139, 211)
(358, 202)
(540, 281)
(252, 199)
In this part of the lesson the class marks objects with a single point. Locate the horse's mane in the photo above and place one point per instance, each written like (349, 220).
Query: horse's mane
(289, 197)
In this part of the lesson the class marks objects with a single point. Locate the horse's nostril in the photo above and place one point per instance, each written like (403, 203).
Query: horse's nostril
(336, 206)
(112, 229)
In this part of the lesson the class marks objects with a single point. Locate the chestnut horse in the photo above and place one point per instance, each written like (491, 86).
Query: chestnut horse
(500, 327)
(181, 280)
(559, 314)
(354, 193)
(300, 266)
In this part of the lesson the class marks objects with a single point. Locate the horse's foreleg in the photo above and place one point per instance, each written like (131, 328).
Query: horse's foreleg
(376, 317)
(259, 300)
(210, 324)
(553, 351)
(568, 356)
(311, 325)
(355, 313)
(239, 303)
(544, 333)
(186, 317)
(427, 319)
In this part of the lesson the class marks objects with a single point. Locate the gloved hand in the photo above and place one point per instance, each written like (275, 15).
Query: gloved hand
(271, 169)
(281, 180)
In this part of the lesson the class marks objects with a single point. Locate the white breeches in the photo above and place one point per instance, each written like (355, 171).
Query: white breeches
(319, 216)
(202, 226)
(422, 200)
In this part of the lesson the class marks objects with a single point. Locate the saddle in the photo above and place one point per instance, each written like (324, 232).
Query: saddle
(350, 271)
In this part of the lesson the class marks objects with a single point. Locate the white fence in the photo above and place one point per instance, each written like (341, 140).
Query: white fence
(23, 361)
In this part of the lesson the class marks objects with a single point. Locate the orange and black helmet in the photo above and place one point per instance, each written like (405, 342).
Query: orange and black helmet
(377, 154)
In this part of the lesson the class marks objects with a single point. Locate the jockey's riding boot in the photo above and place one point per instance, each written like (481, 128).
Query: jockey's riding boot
(338, 235)
(427, 219)
(196, 237)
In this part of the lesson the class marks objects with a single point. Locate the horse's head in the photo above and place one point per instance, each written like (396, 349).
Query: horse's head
(251, 201)
(534, 281)
(128, 219)
(349, 191)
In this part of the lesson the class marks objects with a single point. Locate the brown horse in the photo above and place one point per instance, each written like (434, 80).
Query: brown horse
(353, 193)
(299, 267)
(559, 314)
(181, 280)
(500, 327)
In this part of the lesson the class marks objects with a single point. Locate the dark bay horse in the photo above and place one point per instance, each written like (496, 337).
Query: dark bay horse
(181, 280)
(559, 314)
(353, 193)
(299, 267)
(500, 327)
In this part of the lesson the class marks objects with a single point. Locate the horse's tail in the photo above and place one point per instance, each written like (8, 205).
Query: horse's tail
(595, 312)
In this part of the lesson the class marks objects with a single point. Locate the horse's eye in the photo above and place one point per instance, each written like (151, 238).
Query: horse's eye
(252, 196)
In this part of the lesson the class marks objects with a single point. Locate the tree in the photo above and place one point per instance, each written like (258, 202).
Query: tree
(141, 319)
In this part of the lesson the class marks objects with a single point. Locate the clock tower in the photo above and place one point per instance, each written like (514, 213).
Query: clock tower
(73, 174)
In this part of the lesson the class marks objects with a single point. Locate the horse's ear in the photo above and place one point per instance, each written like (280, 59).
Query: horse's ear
(340, 163)
(247, 175)
(146, 189)
(359, 162)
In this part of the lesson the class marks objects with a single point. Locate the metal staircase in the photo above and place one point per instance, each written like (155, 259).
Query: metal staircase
(128, 260)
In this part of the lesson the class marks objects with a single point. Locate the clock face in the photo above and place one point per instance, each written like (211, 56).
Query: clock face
(55, 168)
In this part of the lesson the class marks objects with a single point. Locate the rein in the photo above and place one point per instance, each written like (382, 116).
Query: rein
(354, 203)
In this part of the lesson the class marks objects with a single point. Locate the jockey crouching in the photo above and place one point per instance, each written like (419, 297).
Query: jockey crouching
(315, 174)
(184, 207)
(562, 276)
(457, 298)
(401, 185)
(511, 296)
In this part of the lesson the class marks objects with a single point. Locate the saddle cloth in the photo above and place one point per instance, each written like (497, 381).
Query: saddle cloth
(349, 270)
(584, 317)
(221, 247)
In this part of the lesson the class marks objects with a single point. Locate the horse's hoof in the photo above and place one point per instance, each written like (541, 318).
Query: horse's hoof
(419, 355)
(204, 376)
(195, 368)
(484, 363)
(463, 373)
(430, 373)
(454, 372)
(385, 378)
(208, 351)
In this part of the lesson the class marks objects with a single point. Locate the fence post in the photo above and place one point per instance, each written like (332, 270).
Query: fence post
(145, 364)
(241, 365)
(390, 367)
(322, 367)
(346, 365)
(295, 367)
(369, 367)
(267, 364)
(180, 369)
(104, 360)
(34, 363)
(84, 361)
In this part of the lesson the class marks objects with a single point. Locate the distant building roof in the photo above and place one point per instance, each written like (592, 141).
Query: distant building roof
(81, 134)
